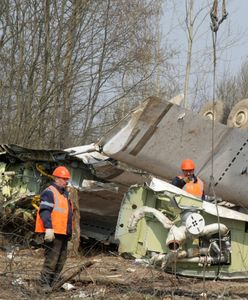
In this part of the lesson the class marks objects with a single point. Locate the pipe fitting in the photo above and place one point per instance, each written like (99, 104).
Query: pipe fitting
(176, 237)
(141, 212)
(213, 229)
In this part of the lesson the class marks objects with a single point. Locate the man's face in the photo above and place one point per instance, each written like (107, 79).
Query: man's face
(188, 173)
(62, 182)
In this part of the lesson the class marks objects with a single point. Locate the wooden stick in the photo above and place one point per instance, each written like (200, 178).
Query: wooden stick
(69, 277)
(103, 280)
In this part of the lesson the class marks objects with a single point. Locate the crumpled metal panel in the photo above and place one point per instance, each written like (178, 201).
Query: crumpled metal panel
(150, 237)
(158, 185)
(25, 154)
(158, 135)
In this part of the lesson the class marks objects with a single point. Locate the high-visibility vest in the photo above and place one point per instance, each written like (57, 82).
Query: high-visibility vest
(194, 188)
(59, 214)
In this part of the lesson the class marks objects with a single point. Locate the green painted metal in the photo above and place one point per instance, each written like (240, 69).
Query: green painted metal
(151, 236)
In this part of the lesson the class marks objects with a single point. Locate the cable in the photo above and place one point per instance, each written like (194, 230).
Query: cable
(41, 169)
(215, 23)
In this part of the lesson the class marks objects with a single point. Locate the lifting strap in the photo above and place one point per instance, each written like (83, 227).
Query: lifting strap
(214, 15)
(215, 23)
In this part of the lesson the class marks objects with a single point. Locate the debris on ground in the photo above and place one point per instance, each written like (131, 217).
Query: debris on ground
(108, 276)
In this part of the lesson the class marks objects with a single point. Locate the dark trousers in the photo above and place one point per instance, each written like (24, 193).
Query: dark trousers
(55, 257)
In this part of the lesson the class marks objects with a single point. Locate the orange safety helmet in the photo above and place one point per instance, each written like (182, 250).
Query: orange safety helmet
(62, 172)
(188, 164)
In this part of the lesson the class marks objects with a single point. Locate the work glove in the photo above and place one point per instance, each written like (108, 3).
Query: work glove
(49, 235)
(186, 179)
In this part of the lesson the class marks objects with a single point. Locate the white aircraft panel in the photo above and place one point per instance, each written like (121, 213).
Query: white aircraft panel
(158, 135)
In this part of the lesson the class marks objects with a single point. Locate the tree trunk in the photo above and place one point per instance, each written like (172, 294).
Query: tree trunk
(75, 241)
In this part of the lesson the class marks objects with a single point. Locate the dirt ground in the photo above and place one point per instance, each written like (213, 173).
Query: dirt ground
(109, 277)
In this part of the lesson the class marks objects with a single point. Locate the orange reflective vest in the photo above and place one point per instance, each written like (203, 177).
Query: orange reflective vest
(59, 214)
(194, 188)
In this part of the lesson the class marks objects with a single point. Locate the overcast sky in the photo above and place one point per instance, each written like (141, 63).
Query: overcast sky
(234, 28)
(232, 48)
(238, 25)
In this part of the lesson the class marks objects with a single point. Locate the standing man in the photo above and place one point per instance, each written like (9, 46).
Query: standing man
(54, 218)
(188, 181)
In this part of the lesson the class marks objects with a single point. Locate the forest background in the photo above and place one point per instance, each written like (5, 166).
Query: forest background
(71, 69)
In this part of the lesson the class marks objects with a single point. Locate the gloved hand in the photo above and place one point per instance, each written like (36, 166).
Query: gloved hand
(49, 235)
(186, 179)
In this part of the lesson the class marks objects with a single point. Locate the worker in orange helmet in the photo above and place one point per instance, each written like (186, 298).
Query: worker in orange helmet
(188, 181)
(54, 219)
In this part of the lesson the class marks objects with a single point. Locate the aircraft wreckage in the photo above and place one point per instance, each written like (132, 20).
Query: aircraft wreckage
(99, 180)
(155, 222)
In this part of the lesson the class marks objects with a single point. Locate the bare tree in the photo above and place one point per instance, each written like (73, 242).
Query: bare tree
(233, 88)
(66, 64)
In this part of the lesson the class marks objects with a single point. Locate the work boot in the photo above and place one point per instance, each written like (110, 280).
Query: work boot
(56, 279)
(45, 283)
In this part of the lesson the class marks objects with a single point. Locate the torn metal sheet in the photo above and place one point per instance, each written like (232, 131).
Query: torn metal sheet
(19, 153)
(89, 154)
(100, 201)
(158, 135)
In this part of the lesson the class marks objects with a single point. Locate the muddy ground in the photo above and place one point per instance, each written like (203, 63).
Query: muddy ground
(109, 277)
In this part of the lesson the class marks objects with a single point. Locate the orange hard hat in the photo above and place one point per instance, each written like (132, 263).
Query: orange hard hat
(188, 164)
(62, 172)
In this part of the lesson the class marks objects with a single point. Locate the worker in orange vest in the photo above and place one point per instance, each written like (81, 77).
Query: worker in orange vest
(188, 181)
(54, 219)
